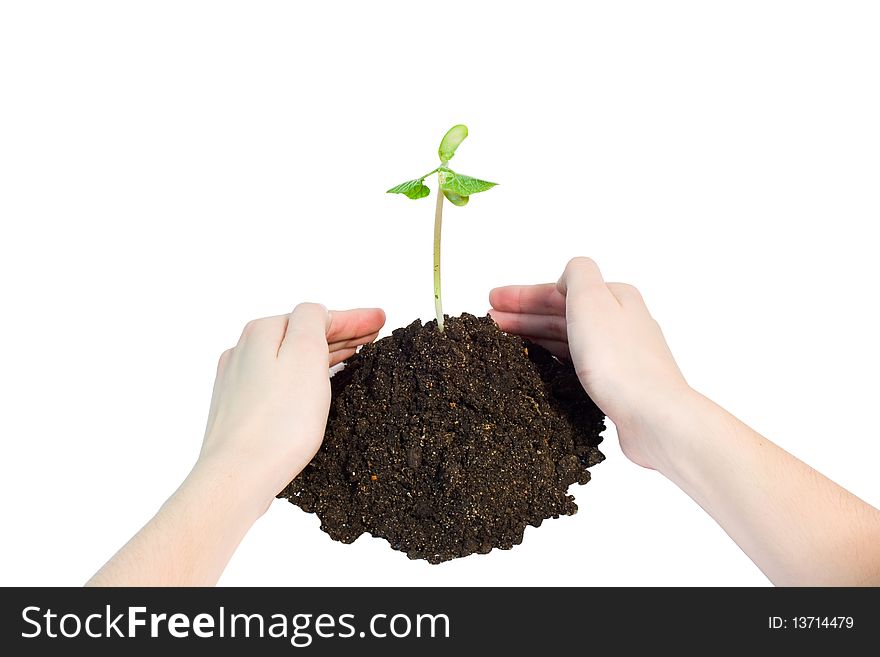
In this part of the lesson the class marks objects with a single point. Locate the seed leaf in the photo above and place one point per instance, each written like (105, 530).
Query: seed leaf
(413, 189)
(455, 199)
(451, 141)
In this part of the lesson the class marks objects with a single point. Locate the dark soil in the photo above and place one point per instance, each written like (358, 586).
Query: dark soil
(450, 443)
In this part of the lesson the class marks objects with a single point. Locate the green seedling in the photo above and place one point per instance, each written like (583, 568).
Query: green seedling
(456, 188)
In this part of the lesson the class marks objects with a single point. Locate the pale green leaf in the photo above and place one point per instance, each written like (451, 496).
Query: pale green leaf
(411, 188)
(451, 141)
(455, 199)
(465, 185)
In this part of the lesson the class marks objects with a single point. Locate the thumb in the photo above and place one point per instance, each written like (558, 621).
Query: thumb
(305, 339)
(581, 276)
(587, 298)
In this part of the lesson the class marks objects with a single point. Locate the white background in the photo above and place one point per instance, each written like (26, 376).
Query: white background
(169, 170)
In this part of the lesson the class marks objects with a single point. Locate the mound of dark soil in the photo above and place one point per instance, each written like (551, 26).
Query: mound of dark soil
(450, 443)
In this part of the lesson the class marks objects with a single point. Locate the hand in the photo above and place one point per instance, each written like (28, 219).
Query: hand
(267, 417)
(797, 526)
(616, 347)
(272, 393)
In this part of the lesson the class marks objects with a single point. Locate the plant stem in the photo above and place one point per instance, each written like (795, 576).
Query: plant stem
(438, 223)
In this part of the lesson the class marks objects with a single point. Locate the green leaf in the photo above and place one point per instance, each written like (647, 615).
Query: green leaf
(451, 141)
(412, 188)
(465, 185)
(455, 199)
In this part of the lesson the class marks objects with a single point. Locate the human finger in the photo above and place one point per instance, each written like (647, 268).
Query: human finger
(548, 327)
(354, 324)
(306, 331)
(337, 357)
(542, 299)
(354, 342)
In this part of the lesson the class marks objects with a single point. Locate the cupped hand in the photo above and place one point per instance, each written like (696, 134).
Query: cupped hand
(272, 392)
(616, 347)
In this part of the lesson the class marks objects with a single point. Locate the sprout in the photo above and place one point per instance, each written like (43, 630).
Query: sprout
(456, 188)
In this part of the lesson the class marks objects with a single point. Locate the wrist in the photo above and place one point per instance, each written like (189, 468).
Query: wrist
(688, 435)
(229, 485)
(665, 429)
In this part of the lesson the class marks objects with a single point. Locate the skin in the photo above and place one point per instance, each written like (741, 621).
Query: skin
(266, 421)
(799, 527)
(272, 395)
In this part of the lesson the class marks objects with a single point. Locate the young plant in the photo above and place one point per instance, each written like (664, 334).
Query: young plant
(456, 188)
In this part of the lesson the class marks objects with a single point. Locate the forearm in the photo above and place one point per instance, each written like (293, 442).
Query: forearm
(192, 537)
(798, 527)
